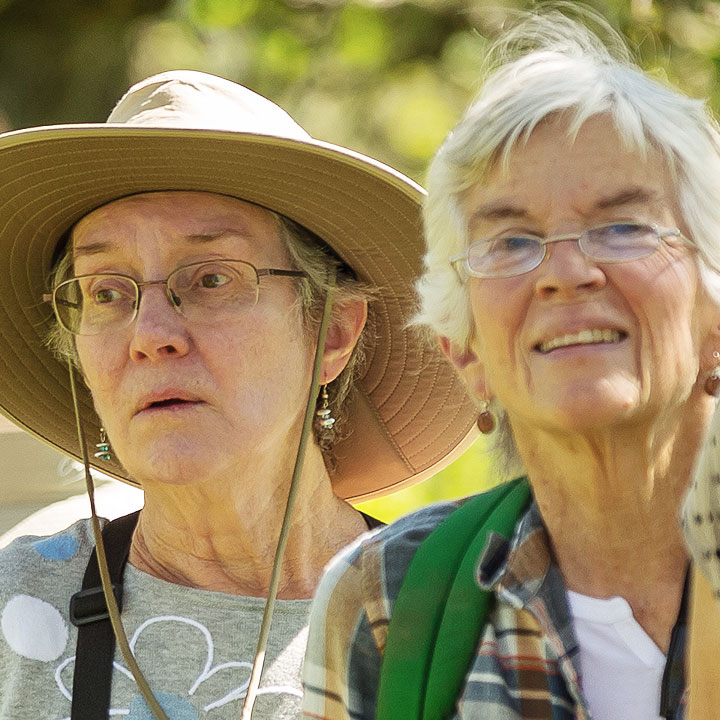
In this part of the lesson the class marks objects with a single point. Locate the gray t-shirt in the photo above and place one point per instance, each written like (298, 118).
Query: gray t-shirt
(195, 647)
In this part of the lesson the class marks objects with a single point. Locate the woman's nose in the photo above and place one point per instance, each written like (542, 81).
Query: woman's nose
(566, 271)
(159, 330)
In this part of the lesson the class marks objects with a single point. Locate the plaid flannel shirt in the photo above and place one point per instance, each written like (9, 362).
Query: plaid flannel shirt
(526, 664)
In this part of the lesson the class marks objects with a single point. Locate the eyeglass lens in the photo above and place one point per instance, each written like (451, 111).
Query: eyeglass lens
(209, 292)
(514, 255)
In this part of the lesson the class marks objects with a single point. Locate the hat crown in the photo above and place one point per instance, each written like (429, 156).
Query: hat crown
(190, 99)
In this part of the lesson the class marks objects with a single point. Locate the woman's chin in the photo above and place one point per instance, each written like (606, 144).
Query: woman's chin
(172, 465)
(591, 409)
(164, 453)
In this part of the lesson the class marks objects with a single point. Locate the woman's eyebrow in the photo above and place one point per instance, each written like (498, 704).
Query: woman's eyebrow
(91, 249)
(497, 210)
(627, 196)
(211, 236)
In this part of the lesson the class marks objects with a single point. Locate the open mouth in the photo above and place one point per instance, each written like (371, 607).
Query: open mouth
(583, 337)
(170, 402)
(167, 399)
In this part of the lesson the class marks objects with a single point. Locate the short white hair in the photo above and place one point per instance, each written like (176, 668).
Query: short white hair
(564, 68)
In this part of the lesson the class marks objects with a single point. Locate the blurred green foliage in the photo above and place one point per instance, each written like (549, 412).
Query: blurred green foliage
(474, 471)
(385, 77)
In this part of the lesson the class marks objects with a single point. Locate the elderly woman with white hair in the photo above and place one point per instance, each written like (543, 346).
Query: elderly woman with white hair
(573, 278)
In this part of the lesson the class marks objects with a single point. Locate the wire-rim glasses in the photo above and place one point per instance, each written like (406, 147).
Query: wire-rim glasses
(510, 255)
(207, 292)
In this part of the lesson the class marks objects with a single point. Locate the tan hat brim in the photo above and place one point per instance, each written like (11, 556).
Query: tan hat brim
(410, 412)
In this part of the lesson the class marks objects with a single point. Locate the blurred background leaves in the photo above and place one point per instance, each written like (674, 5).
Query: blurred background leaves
(386, 77)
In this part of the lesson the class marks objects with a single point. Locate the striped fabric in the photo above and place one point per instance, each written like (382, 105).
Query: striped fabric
(526, 665)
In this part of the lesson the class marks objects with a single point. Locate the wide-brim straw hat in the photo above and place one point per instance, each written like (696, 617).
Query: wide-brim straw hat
(189, 131)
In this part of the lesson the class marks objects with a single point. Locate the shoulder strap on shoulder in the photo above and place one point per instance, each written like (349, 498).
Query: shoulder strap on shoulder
(441, 611)
(92, 677)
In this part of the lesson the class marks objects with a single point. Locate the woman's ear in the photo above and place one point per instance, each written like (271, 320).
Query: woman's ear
(467, 364)
(345, 327)
(710, 356)
(710, 326)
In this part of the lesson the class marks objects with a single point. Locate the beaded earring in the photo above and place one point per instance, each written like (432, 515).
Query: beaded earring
(104, 453)
(323, 413)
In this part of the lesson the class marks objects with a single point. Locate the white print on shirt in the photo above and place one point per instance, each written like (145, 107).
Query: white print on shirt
(36, 630)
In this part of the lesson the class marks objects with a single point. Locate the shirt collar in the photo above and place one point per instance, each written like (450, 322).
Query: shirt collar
(516, 569)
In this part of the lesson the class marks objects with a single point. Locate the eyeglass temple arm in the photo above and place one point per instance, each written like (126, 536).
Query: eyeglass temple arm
(274, 271)
(48, 298)
(676, 232)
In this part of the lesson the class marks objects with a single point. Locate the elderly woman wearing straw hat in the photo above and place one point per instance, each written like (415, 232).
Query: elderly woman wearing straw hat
(573, 275)
(210, 268)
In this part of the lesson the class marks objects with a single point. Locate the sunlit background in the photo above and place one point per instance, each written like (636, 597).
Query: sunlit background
(385, 77)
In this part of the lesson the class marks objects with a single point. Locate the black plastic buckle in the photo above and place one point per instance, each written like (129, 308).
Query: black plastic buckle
(88, 606)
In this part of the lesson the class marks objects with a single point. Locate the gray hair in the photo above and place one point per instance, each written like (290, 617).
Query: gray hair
(308, 253)
(548, 65)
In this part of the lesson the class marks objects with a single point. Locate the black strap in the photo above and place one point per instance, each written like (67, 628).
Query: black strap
(372, 522)
(673, 682)
(88, 612)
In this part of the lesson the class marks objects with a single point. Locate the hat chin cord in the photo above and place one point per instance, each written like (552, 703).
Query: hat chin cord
(261, 648)
(112, 607)
(259, 661)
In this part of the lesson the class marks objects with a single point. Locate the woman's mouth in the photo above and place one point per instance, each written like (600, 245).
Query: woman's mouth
(167, 403)
(582, 337)
(170, 402)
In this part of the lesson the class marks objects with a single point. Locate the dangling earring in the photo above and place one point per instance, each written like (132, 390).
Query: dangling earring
(486, 419)
(712, 384)
(323, 413)
(103, 447)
